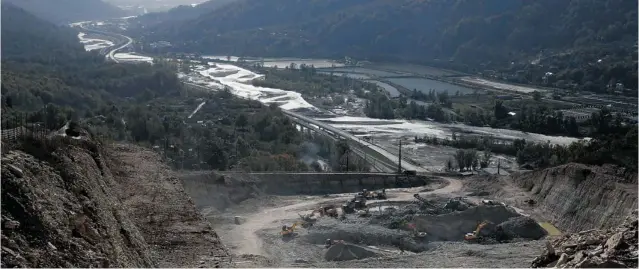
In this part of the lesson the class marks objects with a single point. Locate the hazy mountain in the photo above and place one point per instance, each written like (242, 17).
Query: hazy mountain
(67, 11)
(468, 35)
(180, 13)
(27, 37)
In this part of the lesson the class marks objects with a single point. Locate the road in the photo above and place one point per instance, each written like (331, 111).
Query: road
(115, 48)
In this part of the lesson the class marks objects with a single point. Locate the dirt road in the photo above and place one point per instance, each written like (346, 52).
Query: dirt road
(246, 241)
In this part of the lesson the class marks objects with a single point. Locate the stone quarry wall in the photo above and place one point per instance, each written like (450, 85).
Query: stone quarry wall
(576, 197)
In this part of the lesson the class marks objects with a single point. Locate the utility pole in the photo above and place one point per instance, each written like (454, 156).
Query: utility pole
(399, 165)
(347, 160)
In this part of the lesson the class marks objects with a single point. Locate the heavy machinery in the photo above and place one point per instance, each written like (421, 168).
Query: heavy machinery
(370, 195)
(308, 220)
(329, 210)
(288, 232)
(329, 242)
(354, 204)
(475, 237)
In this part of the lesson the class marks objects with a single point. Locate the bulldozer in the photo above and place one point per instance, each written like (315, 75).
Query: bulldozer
(475, 236)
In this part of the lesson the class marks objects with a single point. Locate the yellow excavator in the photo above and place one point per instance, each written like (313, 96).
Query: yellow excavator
(289, 231)
(474, 236)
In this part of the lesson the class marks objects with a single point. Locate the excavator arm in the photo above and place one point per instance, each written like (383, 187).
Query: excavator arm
(475, 233)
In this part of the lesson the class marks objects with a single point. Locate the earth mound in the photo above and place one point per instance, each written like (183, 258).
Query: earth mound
(346, 252)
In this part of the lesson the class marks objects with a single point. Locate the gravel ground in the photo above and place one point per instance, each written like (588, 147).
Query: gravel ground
(307, 248)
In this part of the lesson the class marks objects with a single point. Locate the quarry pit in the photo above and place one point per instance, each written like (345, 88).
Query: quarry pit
(418, 221)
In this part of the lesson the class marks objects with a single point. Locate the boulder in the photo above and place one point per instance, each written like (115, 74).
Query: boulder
(239, 220)
(522, 227)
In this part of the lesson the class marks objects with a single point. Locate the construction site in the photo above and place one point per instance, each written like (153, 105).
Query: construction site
(444, 222)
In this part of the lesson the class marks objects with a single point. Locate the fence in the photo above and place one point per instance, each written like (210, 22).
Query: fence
(22, 126)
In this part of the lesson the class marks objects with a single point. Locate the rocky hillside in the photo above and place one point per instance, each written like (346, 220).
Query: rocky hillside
(76, 203)
(576, 197)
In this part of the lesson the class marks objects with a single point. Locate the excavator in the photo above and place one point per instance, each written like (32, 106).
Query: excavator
(288, 232)
(475, 237)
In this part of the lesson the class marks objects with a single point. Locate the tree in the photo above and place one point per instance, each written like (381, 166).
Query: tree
(460, 158)
(537, 96)
(241, 121)
(486, 158)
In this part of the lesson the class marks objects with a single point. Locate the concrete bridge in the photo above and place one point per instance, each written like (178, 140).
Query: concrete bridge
(379, 154)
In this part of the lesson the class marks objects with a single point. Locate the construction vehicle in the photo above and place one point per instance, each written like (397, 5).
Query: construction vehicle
(370, 195)
(329, 242)
(475, 237)
(329, 210)
(308, 220)
(289, 231)
(354, 204)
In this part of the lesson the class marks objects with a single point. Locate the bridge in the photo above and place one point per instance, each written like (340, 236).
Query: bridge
(376, 153)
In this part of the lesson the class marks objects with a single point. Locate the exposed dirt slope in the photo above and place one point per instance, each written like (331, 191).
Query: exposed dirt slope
(76, 204)
(576, 197)
(60, 210)
(166, 216)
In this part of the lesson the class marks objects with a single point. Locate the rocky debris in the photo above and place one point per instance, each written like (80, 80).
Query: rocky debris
(67, 203)
(60, 209)
(164, 213)
(522, 227)
(612, 248)
(457, 204)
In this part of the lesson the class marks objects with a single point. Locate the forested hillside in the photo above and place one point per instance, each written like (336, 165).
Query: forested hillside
(586, 44)
(44, 64)
(68, 11)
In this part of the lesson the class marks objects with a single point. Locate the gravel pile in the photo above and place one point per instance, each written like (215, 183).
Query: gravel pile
(346, 252)
(612, 248)
(522, 227)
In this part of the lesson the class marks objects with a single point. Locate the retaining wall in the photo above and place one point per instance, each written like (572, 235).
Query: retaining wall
(307, 183)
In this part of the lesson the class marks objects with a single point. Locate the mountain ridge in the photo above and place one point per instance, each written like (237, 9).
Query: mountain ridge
(68, 11)
(469, 36)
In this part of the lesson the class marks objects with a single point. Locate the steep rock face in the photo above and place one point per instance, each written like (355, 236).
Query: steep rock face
(76, 203)
(576, 197)
(59, 210)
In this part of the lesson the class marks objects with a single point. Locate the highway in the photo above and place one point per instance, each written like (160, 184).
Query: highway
(111, 53)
